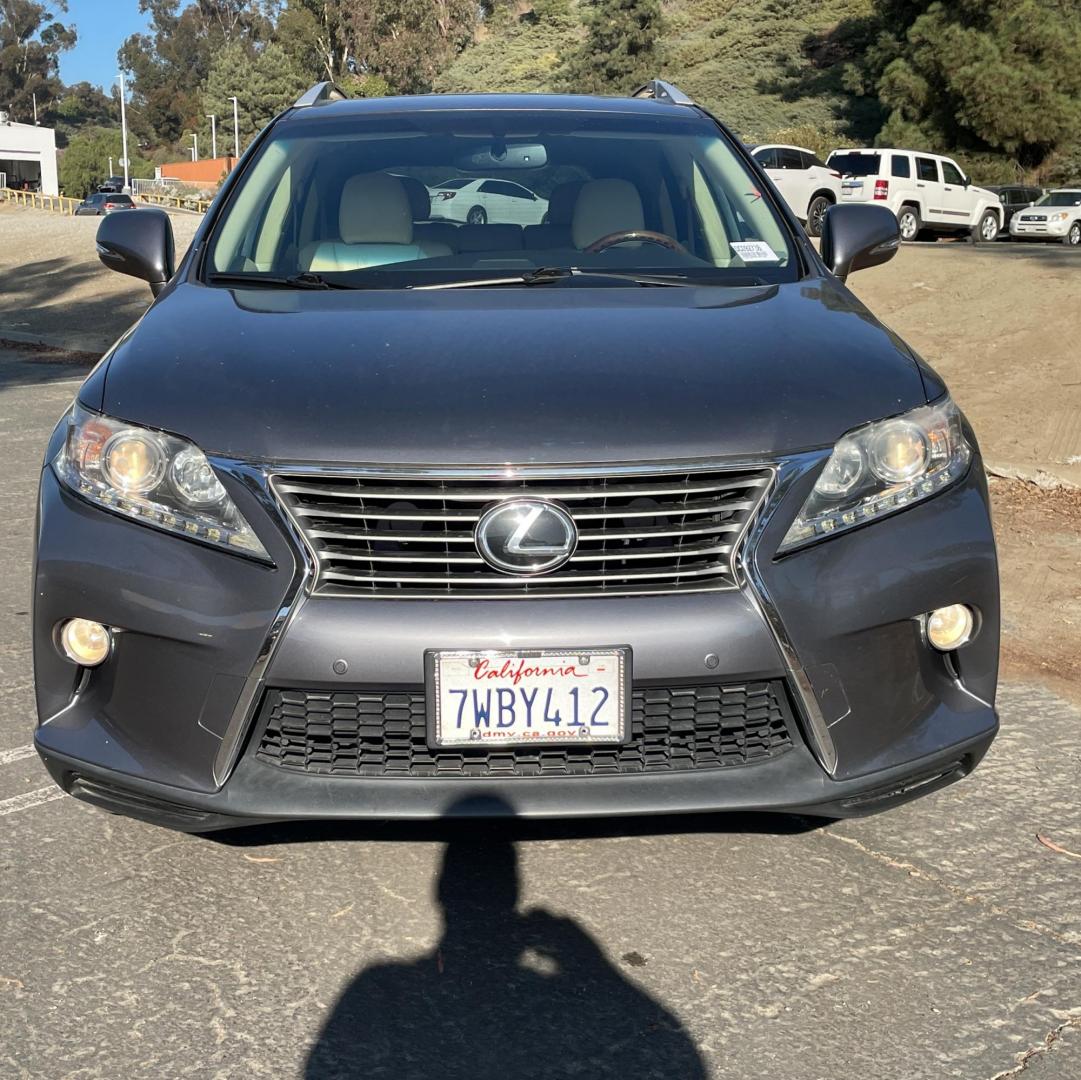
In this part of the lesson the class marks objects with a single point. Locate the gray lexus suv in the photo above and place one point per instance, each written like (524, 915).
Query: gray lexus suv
(599, 495)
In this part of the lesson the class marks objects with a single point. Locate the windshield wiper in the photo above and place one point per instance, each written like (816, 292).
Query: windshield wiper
(306, 280)
(543, 275)
(548, 275)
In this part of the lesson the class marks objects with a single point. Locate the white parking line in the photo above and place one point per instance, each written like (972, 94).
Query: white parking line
(29, 799)
(20, 752)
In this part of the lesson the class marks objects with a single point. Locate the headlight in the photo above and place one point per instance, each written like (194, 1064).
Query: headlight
(1060, 216)
(153, 478)
(883, 467)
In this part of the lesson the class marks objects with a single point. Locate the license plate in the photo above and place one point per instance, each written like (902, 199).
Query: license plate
(528, 697)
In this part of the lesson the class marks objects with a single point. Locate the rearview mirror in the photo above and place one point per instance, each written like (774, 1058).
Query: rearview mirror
(856, 236)
(139, 243)
(502, 155)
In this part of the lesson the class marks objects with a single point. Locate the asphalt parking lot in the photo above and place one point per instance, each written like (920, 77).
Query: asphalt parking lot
(940, 940)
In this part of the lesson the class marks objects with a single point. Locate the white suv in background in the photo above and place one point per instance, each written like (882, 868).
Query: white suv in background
(1055, 216)
(808, 185)
(929, 193)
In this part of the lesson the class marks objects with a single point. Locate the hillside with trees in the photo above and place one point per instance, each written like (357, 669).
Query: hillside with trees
(997, 82)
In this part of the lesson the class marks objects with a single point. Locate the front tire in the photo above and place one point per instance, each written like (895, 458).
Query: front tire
(816, 215)
(1073, 237)
(477, 216)
(908, 221)
(987, 228)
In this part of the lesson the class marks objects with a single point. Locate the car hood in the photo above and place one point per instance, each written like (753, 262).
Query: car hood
(544, 374)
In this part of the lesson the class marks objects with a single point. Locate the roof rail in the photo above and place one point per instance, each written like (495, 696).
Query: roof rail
(320, 94)
(659, 90)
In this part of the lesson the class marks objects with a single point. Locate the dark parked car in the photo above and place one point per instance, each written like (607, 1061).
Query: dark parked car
(634, 510)
(1014, 198)
(101, 203)
(113, 184)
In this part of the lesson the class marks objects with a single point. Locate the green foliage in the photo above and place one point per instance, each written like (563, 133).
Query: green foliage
(82, 105)
(171, 63)
(820, 140)
(31, 41)
(515, 52)
(1063, 167)
(987, 76)
(263, 83)
(85, 163)
(301, 34)
(749, 62)
(621, 48)
(409, 42)
(366, 86)
(744, 61)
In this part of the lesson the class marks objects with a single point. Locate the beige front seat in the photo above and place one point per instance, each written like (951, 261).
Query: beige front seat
(605, 207)
(375, 224)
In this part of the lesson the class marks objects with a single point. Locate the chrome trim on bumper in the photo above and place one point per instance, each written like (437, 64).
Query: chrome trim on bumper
(244, 710)
(815, 727)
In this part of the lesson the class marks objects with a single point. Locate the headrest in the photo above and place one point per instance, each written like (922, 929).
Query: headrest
(375, 210)
(489, 237)
(561, 202)
(420, 200)
(604, 207)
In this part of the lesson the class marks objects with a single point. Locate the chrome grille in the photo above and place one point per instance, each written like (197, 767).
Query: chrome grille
(411, 533)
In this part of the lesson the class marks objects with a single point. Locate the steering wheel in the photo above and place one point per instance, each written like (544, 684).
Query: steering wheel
(630, 236)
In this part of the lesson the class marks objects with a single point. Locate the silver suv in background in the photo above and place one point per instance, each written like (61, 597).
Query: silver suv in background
(930, 194)
(1056, 216)
(808, 184)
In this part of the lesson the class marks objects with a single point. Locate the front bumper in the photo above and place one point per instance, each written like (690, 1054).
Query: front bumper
(1040, 230)
(166, 729)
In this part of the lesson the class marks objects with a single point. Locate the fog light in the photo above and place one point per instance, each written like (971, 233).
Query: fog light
(85, 642)
(949, 628)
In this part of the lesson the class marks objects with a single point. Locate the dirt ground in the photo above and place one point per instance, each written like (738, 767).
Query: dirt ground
(1001, 325)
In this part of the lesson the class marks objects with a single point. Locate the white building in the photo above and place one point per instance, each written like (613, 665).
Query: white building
(28, 156)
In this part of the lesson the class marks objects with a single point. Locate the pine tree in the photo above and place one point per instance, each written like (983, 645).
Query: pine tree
(264, 83)
(978, 75)
(621, 47)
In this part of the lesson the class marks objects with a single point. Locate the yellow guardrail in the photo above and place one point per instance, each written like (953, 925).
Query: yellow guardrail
(178, 202)
(61, 204)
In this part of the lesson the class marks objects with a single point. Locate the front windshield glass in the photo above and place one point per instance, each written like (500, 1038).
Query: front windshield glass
(1061, 198)
(393, 200)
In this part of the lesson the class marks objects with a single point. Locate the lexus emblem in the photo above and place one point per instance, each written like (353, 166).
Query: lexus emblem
(526, 536)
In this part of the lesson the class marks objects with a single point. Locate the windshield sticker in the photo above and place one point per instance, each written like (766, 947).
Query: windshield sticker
(754, 251)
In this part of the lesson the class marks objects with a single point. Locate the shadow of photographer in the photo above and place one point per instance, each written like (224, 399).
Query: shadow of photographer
(505, 994)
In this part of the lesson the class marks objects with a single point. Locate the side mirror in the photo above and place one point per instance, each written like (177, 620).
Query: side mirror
(139, 243)
(856, 236)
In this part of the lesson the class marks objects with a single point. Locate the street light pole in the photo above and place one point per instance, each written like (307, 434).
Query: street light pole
(124, 134)
(195, 146)
(236, 130)
(213, 134)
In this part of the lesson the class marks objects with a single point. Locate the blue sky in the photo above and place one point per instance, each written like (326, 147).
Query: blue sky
(102, 29)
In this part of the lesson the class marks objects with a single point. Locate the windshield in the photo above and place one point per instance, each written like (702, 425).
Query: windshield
(396, 200)
(854, 164)
(1060, 198)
